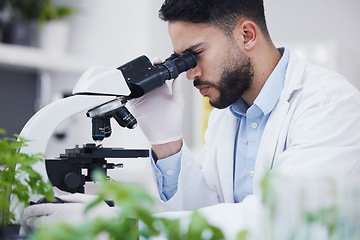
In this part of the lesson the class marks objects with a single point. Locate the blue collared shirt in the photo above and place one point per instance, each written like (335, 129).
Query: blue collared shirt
(167, 172)
(251, 124)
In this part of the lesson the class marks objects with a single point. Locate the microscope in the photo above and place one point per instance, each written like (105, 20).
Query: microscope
(102, 93)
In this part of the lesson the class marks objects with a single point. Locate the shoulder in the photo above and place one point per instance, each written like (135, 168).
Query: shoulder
(322, 86)
(310, 83)
(321, 104)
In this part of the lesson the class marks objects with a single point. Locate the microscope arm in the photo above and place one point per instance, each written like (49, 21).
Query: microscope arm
(42, 125)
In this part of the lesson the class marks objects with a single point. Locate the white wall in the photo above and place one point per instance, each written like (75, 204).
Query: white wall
(319, 22)
(112, 32)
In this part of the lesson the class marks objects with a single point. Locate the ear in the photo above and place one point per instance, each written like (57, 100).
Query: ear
(246, 34)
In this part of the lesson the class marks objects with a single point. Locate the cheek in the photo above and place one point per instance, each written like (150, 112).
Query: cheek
(210, 68)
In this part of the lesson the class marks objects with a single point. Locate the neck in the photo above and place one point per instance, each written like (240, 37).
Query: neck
(264, 59)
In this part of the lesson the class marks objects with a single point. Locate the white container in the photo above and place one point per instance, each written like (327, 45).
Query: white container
(53, 37)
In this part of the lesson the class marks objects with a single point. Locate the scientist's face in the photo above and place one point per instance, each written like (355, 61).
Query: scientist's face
(223, 73)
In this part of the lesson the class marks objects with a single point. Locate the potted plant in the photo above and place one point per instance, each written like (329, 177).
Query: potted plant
(22, 18)
(18, 181)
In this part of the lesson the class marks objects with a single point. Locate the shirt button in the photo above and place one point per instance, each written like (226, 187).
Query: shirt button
(158, 174)
(254, 125)
(251, 173)
(169, 172)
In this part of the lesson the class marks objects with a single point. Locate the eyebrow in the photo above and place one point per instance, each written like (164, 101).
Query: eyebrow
(192, 48)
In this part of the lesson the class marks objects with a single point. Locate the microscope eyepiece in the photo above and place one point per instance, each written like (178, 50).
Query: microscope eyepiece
(142, 77)
(177, 64)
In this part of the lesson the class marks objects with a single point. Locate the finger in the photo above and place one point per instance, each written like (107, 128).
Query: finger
(160, 91)
(156, 60)
(40, 210)
(177, 88)
(33, 222)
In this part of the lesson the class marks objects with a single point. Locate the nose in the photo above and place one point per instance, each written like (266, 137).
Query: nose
(193, 73)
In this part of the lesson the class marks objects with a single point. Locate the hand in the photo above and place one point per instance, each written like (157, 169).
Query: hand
(159, 113)
(71, 212)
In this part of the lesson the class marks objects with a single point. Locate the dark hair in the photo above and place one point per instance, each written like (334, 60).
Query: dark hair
(223, 14)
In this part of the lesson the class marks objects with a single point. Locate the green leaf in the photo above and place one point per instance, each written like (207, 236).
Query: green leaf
(242, 235)
(18, 178)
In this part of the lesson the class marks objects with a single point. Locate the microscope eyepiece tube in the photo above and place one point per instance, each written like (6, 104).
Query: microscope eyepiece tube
(142, 77)
(178, 64)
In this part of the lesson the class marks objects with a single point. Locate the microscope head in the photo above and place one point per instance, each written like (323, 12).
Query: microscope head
(131, 80)
(102, 81)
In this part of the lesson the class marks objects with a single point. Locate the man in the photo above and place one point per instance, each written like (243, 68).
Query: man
(272, 111)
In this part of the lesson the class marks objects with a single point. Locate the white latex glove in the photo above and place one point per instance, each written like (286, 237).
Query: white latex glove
(71, 212)
(160, 113)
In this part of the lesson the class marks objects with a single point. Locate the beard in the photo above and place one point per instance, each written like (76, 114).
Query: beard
(234, 81)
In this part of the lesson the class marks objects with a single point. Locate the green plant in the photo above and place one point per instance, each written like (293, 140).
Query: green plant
(135, 204)
(17, 178)
(40, 11)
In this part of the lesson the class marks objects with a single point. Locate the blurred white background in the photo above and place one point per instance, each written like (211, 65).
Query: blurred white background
(113, 32)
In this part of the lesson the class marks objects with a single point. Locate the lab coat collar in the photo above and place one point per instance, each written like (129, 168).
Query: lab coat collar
(294, 77)
(270, 92)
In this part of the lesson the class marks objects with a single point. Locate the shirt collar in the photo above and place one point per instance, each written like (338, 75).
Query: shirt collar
(270, 92)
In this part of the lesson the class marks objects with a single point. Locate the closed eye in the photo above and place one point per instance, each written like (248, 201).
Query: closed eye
(196, 53)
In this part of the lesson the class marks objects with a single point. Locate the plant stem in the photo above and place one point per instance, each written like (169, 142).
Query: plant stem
(5, 196)
(5, 203)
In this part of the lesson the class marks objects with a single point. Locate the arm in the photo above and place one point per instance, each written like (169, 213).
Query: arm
(167, 149)
(159, 114)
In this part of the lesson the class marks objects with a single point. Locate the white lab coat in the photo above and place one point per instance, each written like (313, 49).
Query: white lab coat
(313, 129)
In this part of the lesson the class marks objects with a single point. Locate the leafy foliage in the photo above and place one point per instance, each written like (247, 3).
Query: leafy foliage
(17, 177)
(243, 235)
(135, 204)
(39, 10)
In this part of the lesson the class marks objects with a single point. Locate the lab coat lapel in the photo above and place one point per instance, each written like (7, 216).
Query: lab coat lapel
(275, 132)
(225, 155)
(270, 141)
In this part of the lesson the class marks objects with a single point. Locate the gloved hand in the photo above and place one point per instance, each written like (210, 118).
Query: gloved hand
(71, 212)
(160, 113)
